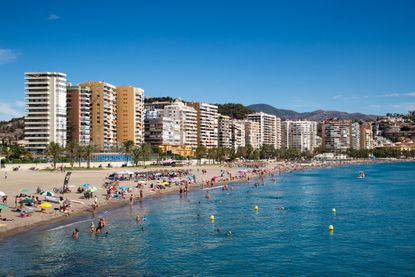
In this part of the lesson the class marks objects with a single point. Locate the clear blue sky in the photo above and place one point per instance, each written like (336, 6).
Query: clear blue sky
(354, 56)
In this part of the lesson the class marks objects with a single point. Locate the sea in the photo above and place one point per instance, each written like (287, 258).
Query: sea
(279, 228)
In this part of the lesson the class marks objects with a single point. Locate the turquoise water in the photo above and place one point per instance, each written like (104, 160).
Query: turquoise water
(374, 231)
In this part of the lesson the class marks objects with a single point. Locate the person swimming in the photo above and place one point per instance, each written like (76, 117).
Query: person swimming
(75, 233)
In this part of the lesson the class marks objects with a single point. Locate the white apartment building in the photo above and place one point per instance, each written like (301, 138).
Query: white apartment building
(355, 136)
(336, 134)
(207, 128)
(238, 134)
(162, 131)
(252, 133)
(45, 119)
(224, 131)
(301, 135)
(269, 128)
(186, 118)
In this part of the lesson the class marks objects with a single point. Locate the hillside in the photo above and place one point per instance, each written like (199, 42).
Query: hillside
(318, 115)
(233, 110)
(12, 129)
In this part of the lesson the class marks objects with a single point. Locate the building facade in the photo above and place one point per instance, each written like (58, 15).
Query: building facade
(238, 134)
(337, 134)
(78, 102)
(355, 136)
(162, 131)
(224, 131)
(300, 135)
(269, 128)
(252, 134)
(130, 114)
(103, 114)
(186, 118)
(45, 119)
(366, 136)
(207, 124)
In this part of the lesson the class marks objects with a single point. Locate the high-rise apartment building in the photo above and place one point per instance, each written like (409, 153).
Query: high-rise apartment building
(337, 134)
(130, 114)
(366, 136)
(238, 134)
(252, 134)
(355, 136)
(45, 120)
(78, 103)
(162, 131)
(301, 135)
(224, 131)
(103, 114)
(207, 127)
(269, 128)
(186, 118)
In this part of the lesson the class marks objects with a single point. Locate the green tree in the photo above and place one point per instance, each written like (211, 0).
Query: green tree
(87, 152)
(70, 149)
(145, 152)
(79, 153)
(127, 148)
(54, 151)
(200, 152)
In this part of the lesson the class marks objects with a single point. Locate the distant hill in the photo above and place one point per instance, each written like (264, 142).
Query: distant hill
(318, 115)
(11, 130)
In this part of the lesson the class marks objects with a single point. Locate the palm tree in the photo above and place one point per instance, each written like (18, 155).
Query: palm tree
(145, 152)
(54, 150)
(200, 152)
(71, 149)
(127, 147)
(88, 150)
(136, 155)
(79, 153)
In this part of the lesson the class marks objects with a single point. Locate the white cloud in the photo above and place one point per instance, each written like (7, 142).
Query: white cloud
(411, 94)
(8, 110)
(20, 104)
(391, 95)
(7, 55)
(53, 16)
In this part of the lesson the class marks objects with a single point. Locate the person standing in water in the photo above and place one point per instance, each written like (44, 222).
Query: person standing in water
(92, 228)
(75, 233)
(131, 199)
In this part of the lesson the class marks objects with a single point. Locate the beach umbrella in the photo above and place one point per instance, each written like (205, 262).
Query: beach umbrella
(2, 206)
(86, 185)
(27, 201)
(123, 188)
(45, 205)
(93, 189)
(24, 190)
(47, 193)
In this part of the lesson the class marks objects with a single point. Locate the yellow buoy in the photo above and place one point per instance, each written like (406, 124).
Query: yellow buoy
(331, 228)
(256, 208)
(333, 210)
(212, 217)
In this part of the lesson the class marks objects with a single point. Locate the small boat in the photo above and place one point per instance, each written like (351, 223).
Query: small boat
(361, 175)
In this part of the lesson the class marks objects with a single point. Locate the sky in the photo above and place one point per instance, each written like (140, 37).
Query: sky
(353, 56)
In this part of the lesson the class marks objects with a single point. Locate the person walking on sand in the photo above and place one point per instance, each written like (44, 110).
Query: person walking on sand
(96, 201)
(5, 175)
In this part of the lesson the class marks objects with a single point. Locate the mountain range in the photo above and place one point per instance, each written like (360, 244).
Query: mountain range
(318, 115)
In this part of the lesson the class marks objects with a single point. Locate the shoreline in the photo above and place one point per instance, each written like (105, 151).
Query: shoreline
(276, 167)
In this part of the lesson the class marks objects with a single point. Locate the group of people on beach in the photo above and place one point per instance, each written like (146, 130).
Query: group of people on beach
(92, 229)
